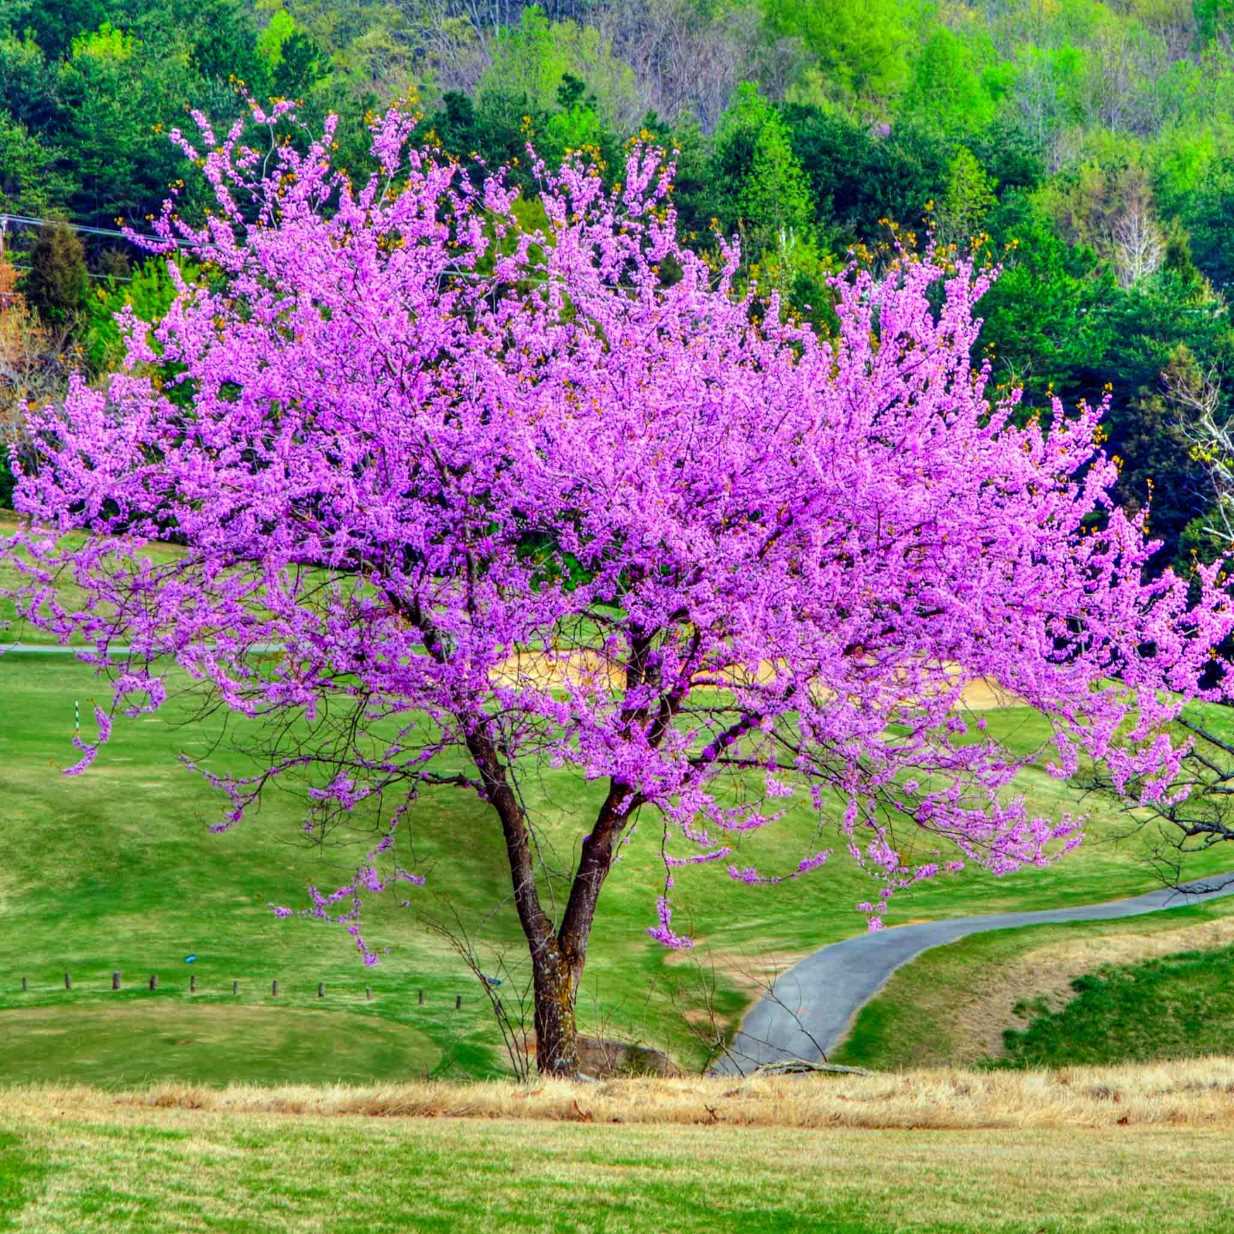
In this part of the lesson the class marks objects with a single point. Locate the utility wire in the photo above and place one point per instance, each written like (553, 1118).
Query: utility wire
(27, 220)
(106, 278)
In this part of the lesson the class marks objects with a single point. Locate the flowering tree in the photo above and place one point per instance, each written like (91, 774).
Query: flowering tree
(502, 499)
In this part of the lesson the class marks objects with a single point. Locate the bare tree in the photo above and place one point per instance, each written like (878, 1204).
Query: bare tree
(1139, 244)
(1196, 393)
(1200, 820)
(1198, 812)
(688, 62)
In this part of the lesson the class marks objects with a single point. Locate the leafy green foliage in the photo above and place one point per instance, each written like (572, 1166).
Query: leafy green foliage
(32, 179)
(955, 82)
(861, 179)
(532, 60)
(1209, 216)
(760, 188)
(860, 46)
(966, 201)
(149, 292)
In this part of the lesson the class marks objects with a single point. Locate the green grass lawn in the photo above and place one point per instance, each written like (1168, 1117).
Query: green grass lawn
(114, 871)
(133, 1041)
(1178, 1006)
(150, 1171)
(1174, 1005)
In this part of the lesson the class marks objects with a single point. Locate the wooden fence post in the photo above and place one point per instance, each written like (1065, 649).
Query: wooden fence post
(24, 987)
(115, 981)
(274, 988)
(421, 1000)
(154, 981)
(68, 982)
(321, 989)
(368, 993)
(458, 1001)
(235, 987)
(193, 983)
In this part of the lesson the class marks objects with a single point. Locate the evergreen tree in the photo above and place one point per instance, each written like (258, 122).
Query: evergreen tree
(56, 282)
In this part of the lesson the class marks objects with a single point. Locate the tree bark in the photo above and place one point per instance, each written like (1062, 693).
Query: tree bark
(554, 987)
(557, 955)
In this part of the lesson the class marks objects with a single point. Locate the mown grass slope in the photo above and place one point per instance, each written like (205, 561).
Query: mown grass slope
(1175, 1006)
(115, 871)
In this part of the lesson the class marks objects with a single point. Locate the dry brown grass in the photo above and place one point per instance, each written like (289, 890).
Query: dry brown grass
(579, 667)
(1198, 1093)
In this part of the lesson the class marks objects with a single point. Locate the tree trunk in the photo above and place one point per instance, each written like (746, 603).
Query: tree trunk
(554, 987)
(557, 955)
(557, 968)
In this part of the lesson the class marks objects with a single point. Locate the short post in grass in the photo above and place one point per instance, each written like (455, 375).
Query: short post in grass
(68, 982)
(274, 988)
(235, 987)
(154, 981)
(193, 983)
(321, 989)
(115, 981)
(458, 1001)
(368, 993)
(421, 999)
(24, 985)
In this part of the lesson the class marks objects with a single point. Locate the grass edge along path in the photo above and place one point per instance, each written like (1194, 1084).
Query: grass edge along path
(811, 1006)
(951, 1003)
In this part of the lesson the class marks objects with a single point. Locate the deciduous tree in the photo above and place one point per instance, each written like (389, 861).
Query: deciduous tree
(505, 501)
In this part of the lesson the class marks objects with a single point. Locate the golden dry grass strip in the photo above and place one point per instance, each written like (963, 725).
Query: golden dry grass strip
(1195, 1093)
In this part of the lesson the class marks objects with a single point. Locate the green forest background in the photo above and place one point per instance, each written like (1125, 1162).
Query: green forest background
(1085, 146)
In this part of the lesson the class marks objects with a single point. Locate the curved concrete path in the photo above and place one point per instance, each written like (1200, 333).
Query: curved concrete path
(808, 1009)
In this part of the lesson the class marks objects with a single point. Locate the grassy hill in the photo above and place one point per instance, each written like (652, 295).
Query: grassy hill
(1175, 1006)
(115, 871)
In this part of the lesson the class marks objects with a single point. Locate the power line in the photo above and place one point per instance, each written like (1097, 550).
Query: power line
(27, 220)
(107, 278)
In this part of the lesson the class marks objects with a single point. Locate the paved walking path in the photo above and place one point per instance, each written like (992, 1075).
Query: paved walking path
(809, 1008)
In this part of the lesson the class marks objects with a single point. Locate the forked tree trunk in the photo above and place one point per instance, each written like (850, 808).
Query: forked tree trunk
(557, 954)
(557, 968)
